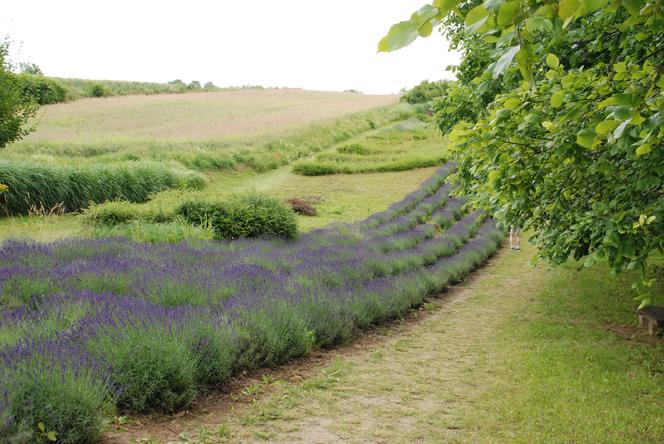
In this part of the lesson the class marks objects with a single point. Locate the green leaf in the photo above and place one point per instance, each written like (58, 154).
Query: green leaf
(557, 98)
(507, 13)
(426, 29)
(476, 14)
(620, 67)
(618, 132)
(547, 11)
(511, 103)
(622, 112)
(586, 137)
(424, 14)
(643, 150)
(552, 61)
(624, 99)
(52, 436)
(590, 6)
(551, 74)
(633, 6)
(567, 8)
(444, 6)
(493, 177)
(400, 35)
(606, 126)
(589, 262)
(535, 23)
(504, 61)
(606, 102)
(526, 59)
(41, 426)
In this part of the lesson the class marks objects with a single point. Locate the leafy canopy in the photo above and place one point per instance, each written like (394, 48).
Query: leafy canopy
(568, 137)
(15, 108)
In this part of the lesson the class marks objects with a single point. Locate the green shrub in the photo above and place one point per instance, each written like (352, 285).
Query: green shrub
(245, 215)
(356, 148)
(112, 213)
(15, 108)
(56, 402)
(42, 90)
(425, 92)
(33, 186)
(271, 336)
(316, 168)
(215, 348)
(153, 366)
(98, 90)
(151, 232)
(331, 320)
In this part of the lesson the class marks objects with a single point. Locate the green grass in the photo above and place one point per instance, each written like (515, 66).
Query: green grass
(577, 380)
(405, 145)
(154, 232)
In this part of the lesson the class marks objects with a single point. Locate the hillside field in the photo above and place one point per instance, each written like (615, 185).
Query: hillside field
(123, 321)
(192, 117)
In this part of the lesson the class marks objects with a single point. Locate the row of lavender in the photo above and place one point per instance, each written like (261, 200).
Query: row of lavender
(91, 326)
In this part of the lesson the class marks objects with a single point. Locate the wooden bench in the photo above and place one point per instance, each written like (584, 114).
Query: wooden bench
(653, 318)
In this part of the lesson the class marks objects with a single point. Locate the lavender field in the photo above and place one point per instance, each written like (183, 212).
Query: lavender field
(91, 327)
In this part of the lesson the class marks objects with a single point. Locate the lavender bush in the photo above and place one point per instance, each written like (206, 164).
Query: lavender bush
(141, 327)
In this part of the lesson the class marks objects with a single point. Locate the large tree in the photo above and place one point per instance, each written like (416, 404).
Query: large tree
(573, 148)
(15, 108)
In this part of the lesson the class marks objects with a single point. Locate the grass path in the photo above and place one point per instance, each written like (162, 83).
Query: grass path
(514, 354)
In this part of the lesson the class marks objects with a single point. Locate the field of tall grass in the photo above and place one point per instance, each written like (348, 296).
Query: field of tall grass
(215, 116)
(254, 129)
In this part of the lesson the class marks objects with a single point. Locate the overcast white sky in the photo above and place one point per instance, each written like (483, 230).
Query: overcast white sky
(290, 43)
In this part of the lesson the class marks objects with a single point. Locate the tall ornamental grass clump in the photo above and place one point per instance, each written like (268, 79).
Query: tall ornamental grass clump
(146, 327)
(243, 215)
(33, 187)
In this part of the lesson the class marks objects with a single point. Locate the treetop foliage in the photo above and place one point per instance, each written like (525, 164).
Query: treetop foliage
(562, 132)
(15, 108)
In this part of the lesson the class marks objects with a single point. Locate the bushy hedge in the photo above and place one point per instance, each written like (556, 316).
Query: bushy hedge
(122, 212)
(32, 186)
(316, 168)
(357, 149)
(141, 230)
(42, 90)
(244, 215)
(425, 92)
